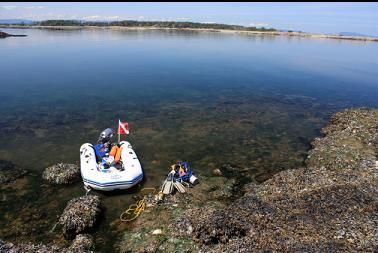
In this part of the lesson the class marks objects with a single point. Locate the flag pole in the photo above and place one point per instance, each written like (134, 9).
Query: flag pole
(119, 134)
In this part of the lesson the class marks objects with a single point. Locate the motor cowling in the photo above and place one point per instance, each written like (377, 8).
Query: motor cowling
(106, 135)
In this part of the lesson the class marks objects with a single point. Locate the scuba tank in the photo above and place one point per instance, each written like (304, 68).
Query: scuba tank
(193, 180)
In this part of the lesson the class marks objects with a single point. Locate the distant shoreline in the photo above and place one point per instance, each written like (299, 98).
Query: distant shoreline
(275, 33)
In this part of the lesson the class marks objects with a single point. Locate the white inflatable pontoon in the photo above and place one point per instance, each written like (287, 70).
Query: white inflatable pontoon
(124, 176)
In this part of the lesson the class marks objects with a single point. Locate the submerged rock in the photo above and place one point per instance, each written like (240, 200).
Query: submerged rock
(62, 173)
(331, 205)
(9, 172)
(80, 215)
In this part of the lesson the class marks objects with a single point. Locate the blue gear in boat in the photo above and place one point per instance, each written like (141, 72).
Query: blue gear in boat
(101, 151)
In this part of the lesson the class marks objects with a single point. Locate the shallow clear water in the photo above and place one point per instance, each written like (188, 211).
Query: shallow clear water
(208, 98)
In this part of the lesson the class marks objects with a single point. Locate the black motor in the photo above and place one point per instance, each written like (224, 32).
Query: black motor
(106, 135)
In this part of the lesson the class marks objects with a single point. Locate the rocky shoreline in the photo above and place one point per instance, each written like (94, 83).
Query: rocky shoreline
(330, 204)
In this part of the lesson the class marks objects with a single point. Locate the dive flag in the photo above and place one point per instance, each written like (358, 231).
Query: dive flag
(123, 127)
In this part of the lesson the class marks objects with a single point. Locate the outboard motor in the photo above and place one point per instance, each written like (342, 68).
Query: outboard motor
(106, 135)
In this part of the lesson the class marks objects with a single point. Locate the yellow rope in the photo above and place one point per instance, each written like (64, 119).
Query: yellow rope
(137, 208)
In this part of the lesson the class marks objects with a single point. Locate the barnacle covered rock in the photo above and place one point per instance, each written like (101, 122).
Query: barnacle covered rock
(80, 215)
(62, 173)
(7, 247)
(82, 243)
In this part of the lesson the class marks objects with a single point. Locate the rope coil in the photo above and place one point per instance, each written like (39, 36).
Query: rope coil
(137, 208)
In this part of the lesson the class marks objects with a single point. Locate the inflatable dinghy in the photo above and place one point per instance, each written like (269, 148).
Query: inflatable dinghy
(120, 176)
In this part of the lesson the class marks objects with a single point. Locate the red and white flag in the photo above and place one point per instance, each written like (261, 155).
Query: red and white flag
(123, 127)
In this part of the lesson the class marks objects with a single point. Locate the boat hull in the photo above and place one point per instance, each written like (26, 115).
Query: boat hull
(130, 174)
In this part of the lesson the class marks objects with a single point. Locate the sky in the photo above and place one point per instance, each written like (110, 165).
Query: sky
(315, 17)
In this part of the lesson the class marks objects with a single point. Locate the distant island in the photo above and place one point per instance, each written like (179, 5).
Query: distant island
(140, 24)
(174, 25)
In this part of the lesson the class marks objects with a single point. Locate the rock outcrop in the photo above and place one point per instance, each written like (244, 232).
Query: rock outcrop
(62, 173)
(350, 142)
(80, 215)
(330, 205)
(4, 35)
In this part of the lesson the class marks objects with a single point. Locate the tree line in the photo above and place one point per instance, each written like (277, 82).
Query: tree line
(156, 24)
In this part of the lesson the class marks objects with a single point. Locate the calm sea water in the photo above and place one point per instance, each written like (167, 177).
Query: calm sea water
(208, 98)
